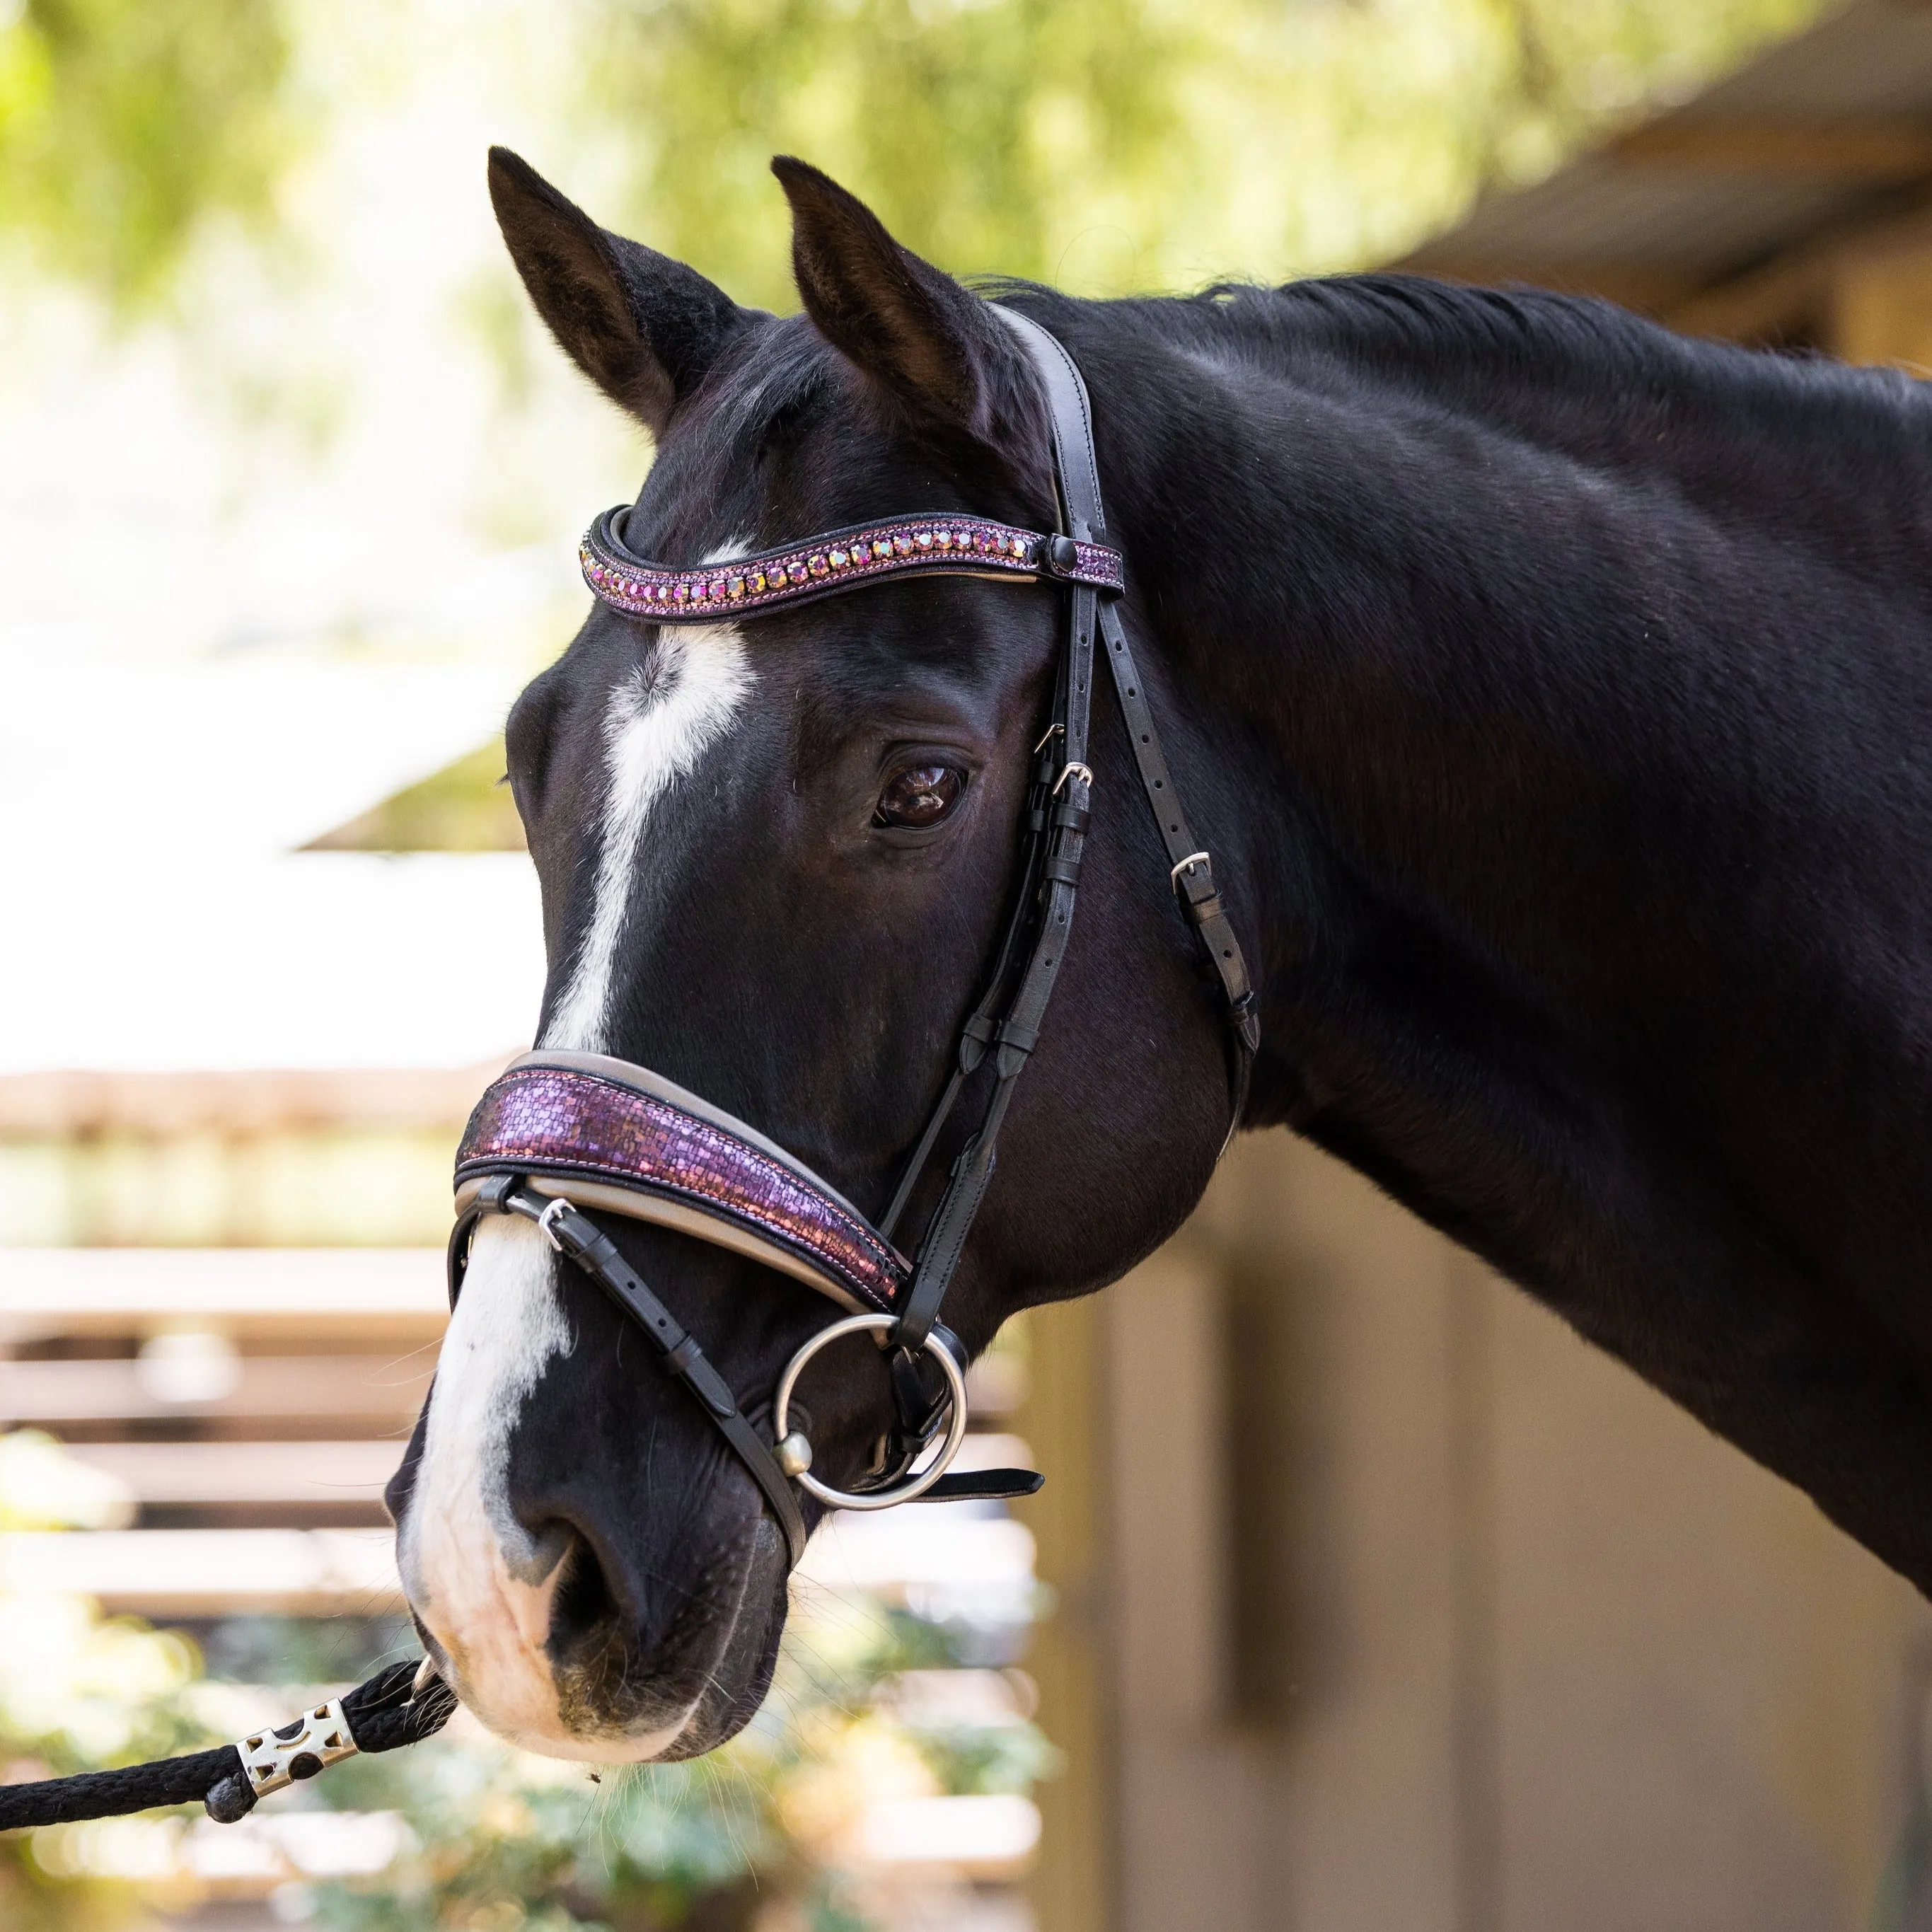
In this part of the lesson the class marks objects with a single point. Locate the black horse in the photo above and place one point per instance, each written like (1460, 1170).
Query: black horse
(1555, 696)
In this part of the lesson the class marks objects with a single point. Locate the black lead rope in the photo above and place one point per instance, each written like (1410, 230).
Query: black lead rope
(402, 1705)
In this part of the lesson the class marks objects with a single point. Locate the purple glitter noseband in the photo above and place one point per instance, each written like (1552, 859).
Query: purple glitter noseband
(561, 1135)
(612, 1135)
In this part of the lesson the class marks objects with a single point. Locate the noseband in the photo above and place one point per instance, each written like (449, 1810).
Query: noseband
(561, 1134)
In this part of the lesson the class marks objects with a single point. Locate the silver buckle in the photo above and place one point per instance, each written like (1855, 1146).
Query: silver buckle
(316, 1739)
(559, 1206)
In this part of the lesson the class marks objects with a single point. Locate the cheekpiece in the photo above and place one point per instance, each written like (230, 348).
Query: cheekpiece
(838, 561)
(603, 1133)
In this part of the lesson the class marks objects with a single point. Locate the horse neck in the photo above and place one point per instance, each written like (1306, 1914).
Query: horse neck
(1578, 818)
(1500, 645)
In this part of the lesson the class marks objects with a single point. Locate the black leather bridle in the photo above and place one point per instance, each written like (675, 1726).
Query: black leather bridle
(558, 1133)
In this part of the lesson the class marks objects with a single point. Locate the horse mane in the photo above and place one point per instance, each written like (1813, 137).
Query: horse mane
(1839, 455)
(1584, 371)
(1393, 321)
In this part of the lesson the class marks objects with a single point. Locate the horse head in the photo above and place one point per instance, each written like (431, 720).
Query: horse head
(776, 857)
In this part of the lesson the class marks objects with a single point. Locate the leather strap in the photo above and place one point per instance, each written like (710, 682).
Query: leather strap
(1067, 812)
(1192, 870)
(977, 1035)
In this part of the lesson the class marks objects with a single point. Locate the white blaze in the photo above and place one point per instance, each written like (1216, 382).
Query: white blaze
(479, 1580)
(659, 721)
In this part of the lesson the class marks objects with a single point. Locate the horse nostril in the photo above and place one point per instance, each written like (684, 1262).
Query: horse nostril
(584, 1605)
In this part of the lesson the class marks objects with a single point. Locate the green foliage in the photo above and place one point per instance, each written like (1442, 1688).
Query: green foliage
(1104, 144)
(505, 1842)
(497, 1840)
(77, 1692)
(123, 123)
(1113, 144)
(252, 1648)
(465, 807)
(645, 1848)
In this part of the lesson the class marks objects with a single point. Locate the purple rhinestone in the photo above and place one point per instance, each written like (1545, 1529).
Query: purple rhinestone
(796, 572)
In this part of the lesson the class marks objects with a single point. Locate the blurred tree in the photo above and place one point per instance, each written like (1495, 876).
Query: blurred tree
(1115, 144)
(124, 123)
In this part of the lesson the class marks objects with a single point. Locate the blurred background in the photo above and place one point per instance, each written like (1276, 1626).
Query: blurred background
(1409, 1612)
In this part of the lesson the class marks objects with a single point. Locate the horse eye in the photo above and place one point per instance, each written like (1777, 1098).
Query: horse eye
(920, 796)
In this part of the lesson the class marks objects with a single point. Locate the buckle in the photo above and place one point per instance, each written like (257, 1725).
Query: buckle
(1187, 866)
(548, 1221)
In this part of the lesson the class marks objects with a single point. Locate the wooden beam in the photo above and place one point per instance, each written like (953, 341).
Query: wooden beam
(203, 1573)
(89, 1101)
(1864, 151)
(1780, 297)
(283, 1394)
(299, 1474)
(392, 1298)
(1633, 285)
(1070, 1657)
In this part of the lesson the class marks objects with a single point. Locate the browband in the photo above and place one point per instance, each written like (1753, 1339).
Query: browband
(912, 546)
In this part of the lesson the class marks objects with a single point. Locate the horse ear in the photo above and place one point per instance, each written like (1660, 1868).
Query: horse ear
(917, 332)
(643, 328)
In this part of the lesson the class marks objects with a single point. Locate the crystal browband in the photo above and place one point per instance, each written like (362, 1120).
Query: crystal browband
(900, 547)
(605, 1134)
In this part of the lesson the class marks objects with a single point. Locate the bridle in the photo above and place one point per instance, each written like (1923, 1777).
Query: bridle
(559, 1135)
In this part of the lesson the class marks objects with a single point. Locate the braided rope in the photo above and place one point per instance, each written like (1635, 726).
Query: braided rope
(384, 1714)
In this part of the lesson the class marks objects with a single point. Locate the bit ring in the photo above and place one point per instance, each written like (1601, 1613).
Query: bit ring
(913, 1486)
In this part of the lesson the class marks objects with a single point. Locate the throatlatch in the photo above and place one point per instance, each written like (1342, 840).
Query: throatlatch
(559, 1138)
